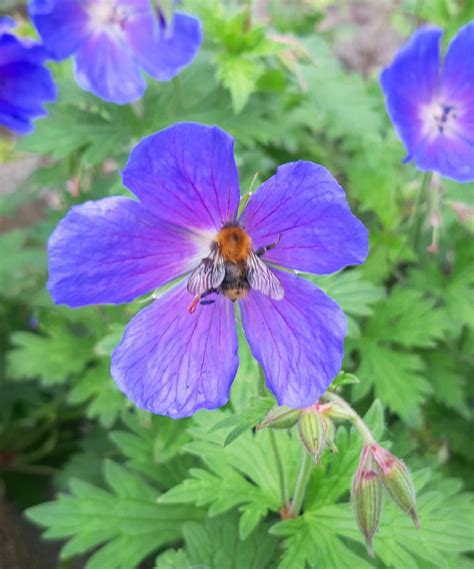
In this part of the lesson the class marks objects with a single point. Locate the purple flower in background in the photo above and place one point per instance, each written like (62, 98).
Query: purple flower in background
(432, 104)
(114, 40)
(179, 354)
(25, 84)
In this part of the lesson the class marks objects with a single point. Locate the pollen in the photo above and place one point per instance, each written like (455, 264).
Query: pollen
(234, 243)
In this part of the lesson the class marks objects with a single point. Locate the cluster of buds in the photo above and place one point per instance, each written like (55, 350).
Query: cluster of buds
(379, 470)
(315, 427)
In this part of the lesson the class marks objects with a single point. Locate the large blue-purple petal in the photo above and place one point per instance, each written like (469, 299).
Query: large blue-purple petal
(187, 175)
(27, 87)
(13, 119)
(13, 50)
(173, 363)
(410, 84)
(25, 84)
(106, 67)
(299, 341)
(112, 251)
(62, 25)
(450, 155)
(172, 49)
(305, 212)
(458, 69)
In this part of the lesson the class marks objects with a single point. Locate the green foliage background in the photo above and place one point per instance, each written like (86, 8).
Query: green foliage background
(123, 489)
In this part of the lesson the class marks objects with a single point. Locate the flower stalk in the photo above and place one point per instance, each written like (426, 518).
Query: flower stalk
(301, 485)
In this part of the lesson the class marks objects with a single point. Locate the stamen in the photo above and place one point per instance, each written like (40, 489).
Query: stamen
(443, 116)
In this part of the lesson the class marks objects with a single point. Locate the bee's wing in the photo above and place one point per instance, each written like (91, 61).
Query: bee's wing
(262, 278)
(209, 274)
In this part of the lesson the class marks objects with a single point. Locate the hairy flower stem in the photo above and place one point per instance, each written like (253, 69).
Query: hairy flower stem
(352, 416)
(276, 451)
(415, 219)
(280, 470)
(178, 94)
(301, 485)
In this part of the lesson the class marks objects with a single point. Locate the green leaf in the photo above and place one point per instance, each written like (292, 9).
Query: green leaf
(353, 294)
(314, 540)
(448, 380)
(408, 318)
(172, 559)
(241, 474)
(152, 445)
(105, 345)
(22, 266)
(240, 76)
(216, 544)
(395, 376)
(97, 388)
(244, 420)
(53, 358)
(125, 522)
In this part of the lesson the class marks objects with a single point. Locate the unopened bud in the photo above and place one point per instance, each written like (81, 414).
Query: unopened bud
(465, 213)
(281, 418)
(339, 411)
(316, 432)
(367, 497)
(397, 480)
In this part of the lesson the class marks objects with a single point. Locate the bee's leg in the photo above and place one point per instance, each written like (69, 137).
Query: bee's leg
(207, 293)
(262, 250)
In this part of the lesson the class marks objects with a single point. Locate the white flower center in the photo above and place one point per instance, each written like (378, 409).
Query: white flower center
(439, 118)
(105, 15)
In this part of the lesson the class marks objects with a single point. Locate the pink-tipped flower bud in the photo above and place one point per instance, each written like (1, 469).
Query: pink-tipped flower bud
(465, 213)
(281, 418)
(367, 497)
(316, 432)
(339, 411)
(397, 479)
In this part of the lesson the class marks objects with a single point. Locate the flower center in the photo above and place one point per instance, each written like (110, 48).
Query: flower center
(105, 14)
(440, 118)
(445, 117)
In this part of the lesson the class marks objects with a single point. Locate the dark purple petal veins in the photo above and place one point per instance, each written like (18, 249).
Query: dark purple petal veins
(303, 209)
(299, 340)
(172, 363)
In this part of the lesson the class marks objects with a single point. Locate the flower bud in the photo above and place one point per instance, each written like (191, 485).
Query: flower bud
(367, 497)
(397, 480)
(316, 432)
(281, 418)
(339, 410)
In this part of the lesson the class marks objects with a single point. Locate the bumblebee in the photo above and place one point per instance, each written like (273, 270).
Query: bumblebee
(232, 269)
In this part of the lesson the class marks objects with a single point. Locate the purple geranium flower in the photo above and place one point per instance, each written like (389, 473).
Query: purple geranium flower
(114, 40)
(25, 84)
(179, 354)
(432, 105)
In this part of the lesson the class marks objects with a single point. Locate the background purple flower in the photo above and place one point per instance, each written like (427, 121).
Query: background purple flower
(114, 40)
(25, 83)
(170, 361)
(431, 104)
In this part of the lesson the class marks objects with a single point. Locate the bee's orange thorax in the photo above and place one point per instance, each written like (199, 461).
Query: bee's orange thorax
(234, 244)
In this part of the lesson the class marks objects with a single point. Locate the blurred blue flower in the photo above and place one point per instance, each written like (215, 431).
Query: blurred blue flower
(180, 353)
(431, 104)
(114, 40)
(25, 83)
